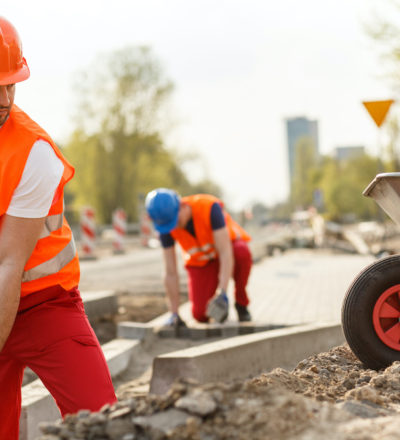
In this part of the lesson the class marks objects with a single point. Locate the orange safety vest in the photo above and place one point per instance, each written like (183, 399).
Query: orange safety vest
(54, 261)
(199, 250)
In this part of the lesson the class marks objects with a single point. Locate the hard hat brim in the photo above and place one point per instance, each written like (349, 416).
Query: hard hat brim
(167, 227)
(19, 75)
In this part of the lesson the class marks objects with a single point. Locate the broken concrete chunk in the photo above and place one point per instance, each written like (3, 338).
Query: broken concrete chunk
(198, 403)
(163, 421)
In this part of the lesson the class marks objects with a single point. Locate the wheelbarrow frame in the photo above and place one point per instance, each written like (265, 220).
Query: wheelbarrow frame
(371, 307)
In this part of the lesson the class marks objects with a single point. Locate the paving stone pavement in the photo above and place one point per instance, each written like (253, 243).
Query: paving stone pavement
(298, 287)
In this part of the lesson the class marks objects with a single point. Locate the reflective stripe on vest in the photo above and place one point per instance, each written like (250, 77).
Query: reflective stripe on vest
(53, 265)
(208, 249)
(52, 223)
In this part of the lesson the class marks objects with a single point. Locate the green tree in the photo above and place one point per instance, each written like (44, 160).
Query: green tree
(385, 34)
(117, 147)
(304, 173)
(123, 91)
(392, 128)
(342, 184)
(384, 31)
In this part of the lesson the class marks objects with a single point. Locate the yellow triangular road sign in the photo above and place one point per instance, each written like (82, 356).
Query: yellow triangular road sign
(378, 110)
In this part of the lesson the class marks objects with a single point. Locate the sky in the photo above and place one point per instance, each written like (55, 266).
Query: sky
(240, 67)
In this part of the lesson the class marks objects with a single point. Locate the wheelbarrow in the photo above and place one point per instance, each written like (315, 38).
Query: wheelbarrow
(371, 307)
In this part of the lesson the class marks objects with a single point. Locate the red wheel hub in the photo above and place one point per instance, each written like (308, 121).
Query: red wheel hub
(386, 317)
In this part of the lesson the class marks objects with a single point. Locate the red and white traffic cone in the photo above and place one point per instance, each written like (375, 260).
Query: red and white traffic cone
(119, 227)
(88, 233)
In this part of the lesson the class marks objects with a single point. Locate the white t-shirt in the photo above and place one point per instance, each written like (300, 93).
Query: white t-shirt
(42, 174)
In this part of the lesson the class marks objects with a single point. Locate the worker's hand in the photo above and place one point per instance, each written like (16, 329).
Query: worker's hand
(221, 291)
(174, 320)
(177, 324)
(218, 306)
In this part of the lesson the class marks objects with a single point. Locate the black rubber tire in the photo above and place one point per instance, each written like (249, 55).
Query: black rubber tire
(357, 309)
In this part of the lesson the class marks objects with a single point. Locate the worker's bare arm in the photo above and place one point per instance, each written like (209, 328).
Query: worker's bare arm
(224, 248)
(171, 278)
(18, 237)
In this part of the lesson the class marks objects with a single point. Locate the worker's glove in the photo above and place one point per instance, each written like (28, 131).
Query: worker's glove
(174, 320)
(218, 307)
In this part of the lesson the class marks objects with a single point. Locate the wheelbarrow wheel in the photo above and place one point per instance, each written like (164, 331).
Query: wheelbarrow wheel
(371, 314)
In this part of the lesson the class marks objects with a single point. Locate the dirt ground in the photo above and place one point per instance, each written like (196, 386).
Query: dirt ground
(141, 307)
(329, 396)
(131, 307)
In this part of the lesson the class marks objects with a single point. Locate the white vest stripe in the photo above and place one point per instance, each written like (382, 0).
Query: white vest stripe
(52, 223)
(53, 265)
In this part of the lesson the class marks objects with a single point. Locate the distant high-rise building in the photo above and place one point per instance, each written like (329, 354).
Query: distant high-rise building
(349, 152)
(296, 129)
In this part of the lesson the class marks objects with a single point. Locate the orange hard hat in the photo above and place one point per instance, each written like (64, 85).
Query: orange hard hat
(13, 66)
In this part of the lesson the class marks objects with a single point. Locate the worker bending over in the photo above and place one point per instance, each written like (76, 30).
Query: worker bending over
(42, 320)
(214, 249)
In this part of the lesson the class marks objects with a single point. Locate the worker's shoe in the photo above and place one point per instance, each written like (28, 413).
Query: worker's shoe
(243, 313)
(218, 308)
(175, 321)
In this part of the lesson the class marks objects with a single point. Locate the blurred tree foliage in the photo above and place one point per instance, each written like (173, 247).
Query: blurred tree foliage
(392, 129)
(384, 31)
(117, 147)
(341, 183)
(305, 165)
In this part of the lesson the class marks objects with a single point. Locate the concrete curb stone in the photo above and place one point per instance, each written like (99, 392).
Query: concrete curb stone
(245, 355)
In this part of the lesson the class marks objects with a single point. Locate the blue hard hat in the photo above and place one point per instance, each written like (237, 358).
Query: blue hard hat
(162, 205)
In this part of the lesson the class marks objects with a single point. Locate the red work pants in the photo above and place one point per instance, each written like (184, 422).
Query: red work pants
(52, 336)
(203, 281)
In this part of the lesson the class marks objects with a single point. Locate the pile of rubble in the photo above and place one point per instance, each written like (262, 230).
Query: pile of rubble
(330, 396)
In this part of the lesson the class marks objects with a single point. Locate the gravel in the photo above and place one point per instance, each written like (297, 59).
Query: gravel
(330, 396)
